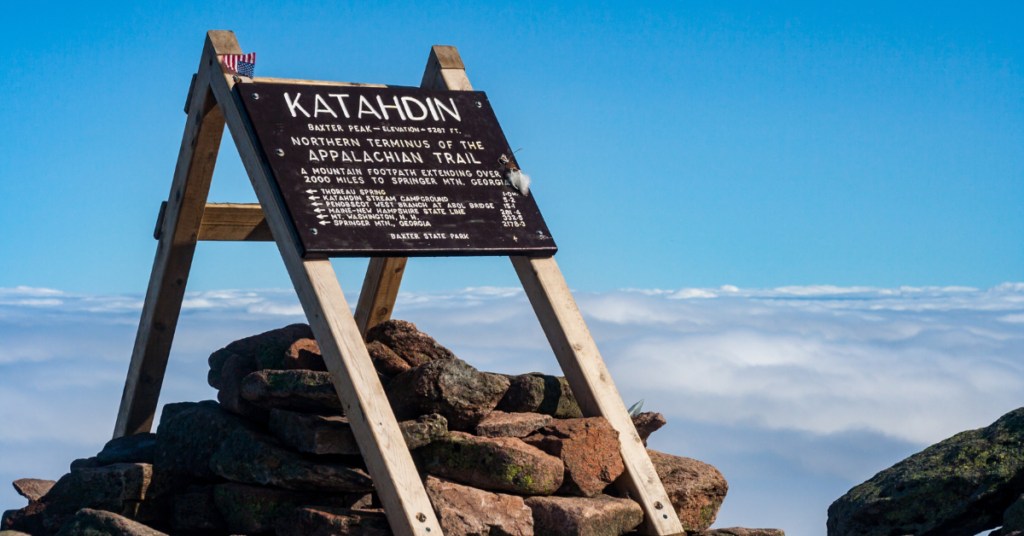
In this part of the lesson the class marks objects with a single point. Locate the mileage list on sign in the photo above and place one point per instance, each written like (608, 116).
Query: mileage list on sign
(393, 171)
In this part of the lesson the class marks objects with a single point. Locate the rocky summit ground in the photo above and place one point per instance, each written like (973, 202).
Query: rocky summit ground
(499, 455)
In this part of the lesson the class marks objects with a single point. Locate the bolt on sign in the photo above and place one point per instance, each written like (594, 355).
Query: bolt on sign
(396, 170)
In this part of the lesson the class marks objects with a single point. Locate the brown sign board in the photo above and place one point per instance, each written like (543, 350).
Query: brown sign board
(393, 171)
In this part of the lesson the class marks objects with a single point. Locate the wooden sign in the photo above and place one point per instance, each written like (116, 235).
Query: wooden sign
(393, 171)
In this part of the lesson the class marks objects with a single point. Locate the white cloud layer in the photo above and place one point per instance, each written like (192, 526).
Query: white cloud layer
(796, 393)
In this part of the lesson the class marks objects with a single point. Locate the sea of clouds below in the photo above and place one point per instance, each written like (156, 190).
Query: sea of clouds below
(795, 394)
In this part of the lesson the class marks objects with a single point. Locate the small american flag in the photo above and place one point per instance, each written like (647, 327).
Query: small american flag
(243, 64)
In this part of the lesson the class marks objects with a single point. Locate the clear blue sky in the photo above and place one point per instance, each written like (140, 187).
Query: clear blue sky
(670, 144)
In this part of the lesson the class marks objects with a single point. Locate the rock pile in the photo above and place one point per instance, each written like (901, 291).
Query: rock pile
(500, 455)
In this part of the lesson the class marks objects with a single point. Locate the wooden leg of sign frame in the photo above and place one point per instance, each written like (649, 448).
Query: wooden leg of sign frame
(444, 70)
(341, 343)
(181, 221)
(592, 385)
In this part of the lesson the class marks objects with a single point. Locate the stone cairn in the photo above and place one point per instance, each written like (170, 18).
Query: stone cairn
(499, 455)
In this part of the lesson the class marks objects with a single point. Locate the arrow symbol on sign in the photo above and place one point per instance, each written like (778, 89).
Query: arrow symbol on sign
(313, 198)
(323, 222)
(322, 216)
(318, 209)
(317, 204)
(310, 191)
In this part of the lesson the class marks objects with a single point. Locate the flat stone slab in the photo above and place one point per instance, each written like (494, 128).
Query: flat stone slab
(321, 434)
(320, 521)
(584, 516)
(117, 488)
(138, 448)
(501, 424)
(540, 393)
(588, 447)
(32, 488)
(256, 509)
(467, 511)
(296, 390)
(493, 463)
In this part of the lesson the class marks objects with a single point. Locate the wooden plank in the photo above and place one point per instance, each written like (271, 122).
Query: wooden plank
(444, 70)
(593, 387)
(380, 290)
(235, 222)
(267, 80)
(380, 440)
(189, 189)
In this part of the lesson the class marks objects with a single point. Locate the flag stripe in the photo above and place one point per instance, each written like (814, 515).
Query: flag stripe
(232, 62)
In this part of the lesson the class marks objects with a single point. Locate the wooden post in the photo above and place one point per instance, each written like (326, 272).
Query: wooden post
(593, 387)
(444, 70)
(341, 343)
(181, 221)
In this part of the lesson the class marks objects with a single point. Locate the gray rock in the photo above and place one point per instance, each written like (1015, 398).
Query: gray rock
(188, 436)
(1013, 517)
(295, 390)
(540, 393)
(959, 486)
(89, 522)
(138, 448)
(325, 521)
(582, 516)
(319, 434)
(119, 488)
(493, 463)
(194, 510)
(251, 458)
(466, 511)
(449, 387)
(84, 463)
(501, 424)
(32, 488)
(257, 510)
(695, 488)
(235, 369)
(411, 344)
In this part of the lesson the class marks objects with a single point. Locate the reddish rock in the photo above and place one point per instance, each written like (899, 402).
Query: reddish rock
(695, 488)
(268, 349)
(579, 516)
(321, 521)
(256, 509)
(466, 511)
(411, 344)
(89, 522)
(118, 488)
(501, 424)
(385, 360)
(32, 488)
(493, 463)
(540, 393)
(318, 434)
(304, 354)
(252, 458)
(647, 423)
(588, 447)
(449, 387)
(28, 519)
(740, 531)
(296, 390)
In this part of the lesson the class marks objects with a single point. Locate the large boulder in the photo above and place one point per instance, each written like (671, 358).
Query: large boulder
(252, 458)
(188, 436)
(269, 350)
(466, 511)
(583, 516)
(695, 488)
(540, 393)
(501, 424)
(89, 522)
(138, 448)
(449, 387)
(32, 488)
(320, 434)
(119, 488)
(959, 486)
(28, 519)
(411, 344)
(493, 463)
(296, 390)
(325, 521)
(589, 448)
(647, 423)
(257, 510)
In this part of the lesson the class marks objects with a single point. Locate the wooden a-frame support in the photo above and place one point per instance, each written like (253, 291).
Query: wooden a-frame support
(188, 218)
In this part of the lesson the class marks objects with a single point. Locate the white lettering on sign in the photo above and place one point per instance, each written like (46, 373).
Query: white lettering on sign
(407, 108)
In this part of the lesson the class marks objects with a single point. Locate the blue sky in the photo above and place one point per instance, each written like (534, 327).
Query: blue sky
(670, 144)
